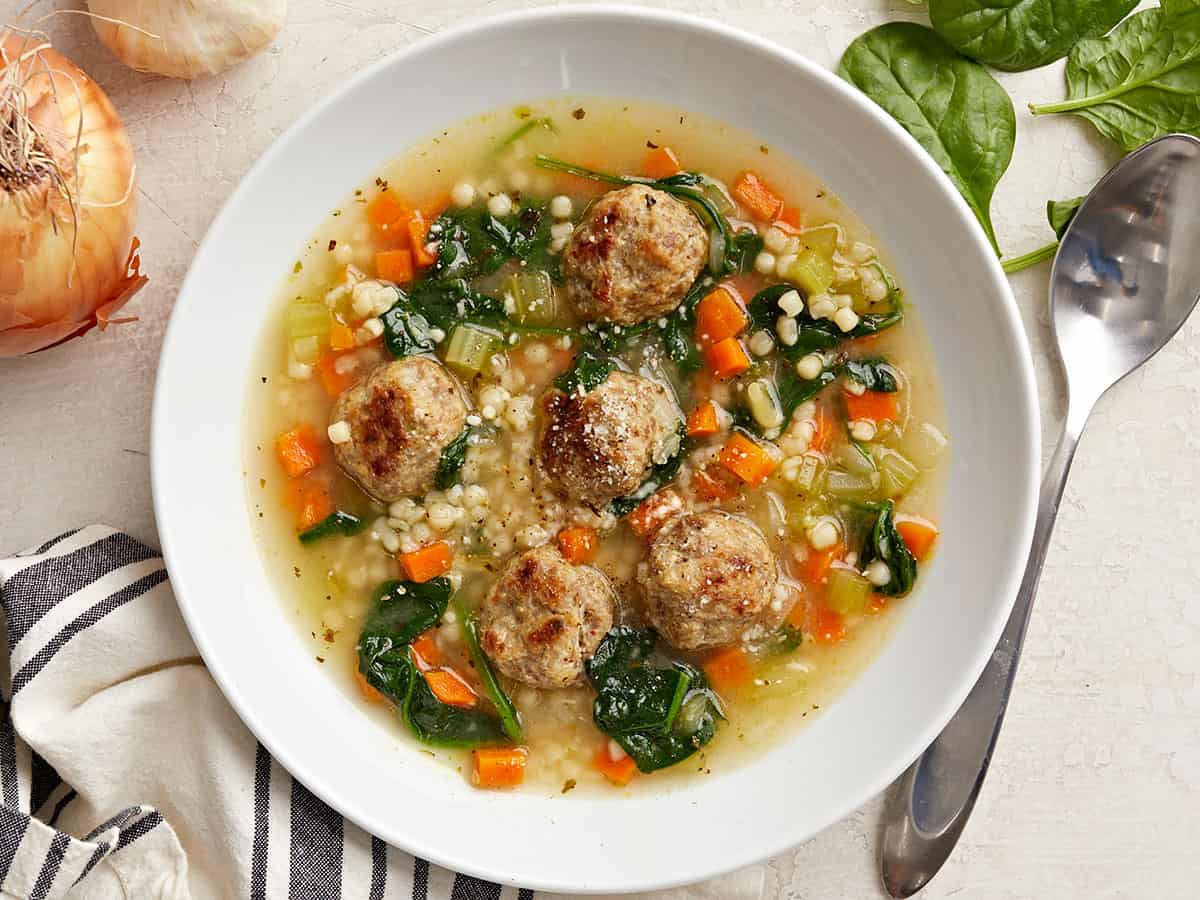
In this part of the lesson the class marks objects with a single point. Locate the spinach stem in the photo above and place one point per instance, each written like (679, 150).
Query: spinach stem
(1046, 109)
(1018, 263)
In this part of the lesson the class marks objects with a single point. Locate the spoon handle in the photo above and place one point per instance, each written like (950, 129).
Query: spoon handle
(938, 792)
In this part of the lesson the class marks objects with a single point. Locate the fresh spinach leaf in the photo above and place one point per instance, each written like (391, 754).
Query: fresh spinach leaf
(337, 522)
(1140, 81)
(588, 371)
(1061, 213)
(399, 612)
(660, 476)
(951, 105)
(876, 374)
(660, 714)
(885, 543)
(1015, 35)
(510, 719)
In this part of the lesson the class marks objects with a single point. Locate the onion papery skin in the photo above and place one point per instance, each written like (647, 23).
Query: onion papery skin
(59, 277)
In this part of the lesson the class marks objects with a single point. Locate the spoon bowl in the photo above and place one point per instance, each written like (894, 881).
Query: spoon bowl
(1125, 279)
(1127, 275)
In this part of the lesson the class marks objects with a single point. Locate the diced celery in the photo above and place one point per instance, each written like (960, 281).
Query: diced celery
(307, 319)
(533, 294)
(801, 515)
(812, 272)
(855, 459)
(896, 473)
(306, 349)
(806, 477)
(848, 592)
(717, 196)
(469, 349)
(851, 485)
(763, 404)
(823, 239)
(924, 444)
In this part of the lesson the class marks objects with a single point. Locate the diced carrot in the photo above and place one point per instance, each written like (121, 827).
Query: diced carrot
(387, 214)
(332, 380)
(715, 483)
(875, 405)
(726, 359)
(918, 534)
(728, 669)
(652, 513)
(752, 192)
(299, 450)
(813, 569)
(799, 615)
(418, 237)
(791, 217)
(311, 503)
(578, 544)
(746, 459)
(428, 562)
(822, 431)
(449, 687)
(719, 316)
(661, 162)
(827, 626)
(703, 421)
(426, 649)
(498, 767)
(395, 266)
(877, 604)
(341, 337)
(619, 771)
(364, 687)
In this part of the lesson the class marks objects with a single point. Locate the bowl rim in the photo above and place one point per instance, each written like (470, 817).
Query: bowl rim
(1023, 378)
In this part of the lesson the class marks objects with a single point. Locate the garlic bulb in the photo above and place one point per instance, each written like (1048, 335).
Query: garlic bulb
(186, 38)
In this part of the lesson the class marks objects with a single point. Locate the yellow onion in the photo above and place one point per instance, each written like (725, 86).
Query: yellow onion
(68, 257)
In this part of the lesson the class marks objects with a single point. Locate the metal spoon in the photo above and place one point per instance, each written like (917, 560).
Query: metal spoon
(1126, 277)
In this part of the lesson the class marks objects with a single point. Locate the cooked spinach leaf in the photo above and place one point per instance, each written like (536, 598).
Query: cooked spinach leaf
(510, 719)
(406, 330)
(1015, 35)
(794, 390)
(337, 522)
(399, 612)
(951, 105)
(817, 334)
(473, 242)
(436, 303)
(1140, 81)
(885, 543)
(679, 336)
(785, 639)
(660, 713)
(588, 371)
(876, 374)
(661, 474)
(743, 250)
(453, 458)
(544, 122)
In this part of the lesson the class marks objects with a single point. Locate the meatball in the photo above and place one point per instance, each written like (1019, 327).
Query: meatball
(598, 445)
(634, 257)
(544, 617)
(401, 417)
(708, 580)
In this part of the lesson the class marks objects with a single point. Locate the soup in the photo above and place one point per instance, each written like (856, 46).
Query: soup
(592, 442)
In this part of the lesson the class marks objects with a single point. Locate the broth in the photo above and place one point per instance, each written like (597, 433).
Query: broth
(328, 584)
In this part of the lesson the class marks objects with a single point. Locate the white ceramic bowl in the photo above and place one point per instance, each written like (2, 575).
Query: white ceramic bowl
(597, 843)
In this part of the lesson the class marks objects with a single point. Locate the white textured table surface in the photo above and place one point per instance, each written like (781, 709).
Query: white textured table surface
(1095, 789)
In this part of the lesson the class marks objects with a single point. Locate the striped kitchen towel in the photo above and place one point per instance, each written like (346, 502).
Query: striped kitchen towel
(125, 774)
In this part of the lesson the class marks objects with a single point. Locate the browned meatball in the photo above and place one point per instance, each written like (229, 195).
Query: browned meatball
(544, 618)
(401, 417)
(634, 257)
(708, 580)
(596, 446)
